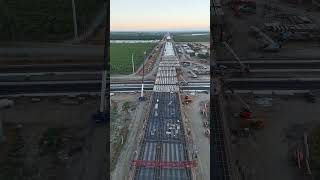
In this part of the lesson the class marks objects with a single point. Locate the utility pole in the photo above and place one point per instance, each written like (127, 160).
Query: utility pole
(103, 91)
(9, 23)
(75, 25)
(142, 84)
(132, 63)
(102, 114)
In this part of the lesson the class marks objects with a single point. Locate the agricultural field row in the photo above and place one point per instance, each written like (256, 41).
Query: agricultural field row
(136, 35)
(191, 37)
(121, 53)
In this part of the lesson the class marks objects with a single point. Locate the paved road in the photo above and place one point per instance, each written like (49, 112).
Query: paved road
(66, 67)
(10, 88)
(164, 138)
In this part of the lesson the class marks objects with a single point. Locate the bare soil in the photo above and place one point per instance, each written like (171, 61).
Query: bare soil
(52, 139)
(200, 140)
(126, 125)
(268, 153)
(246, 45)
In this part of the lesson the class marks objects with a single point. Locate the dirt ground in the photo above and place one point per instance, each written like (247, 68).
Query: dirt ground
(267, 153)
(53, 138)
(201, 142)
(245, 45)
(129, 121)
(205, 43)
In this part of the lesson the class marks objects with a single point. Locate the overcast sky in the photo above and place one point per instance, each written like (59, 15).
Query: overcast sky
(155, 15)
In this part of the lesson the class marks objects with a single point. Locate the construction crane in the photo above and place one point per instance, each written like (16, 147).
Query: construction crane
(246, 112)
(244, 69)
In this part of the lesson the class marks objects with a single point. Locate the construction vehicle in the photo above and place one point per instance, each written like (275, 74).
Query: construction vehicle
(206, 124)
(187, 99)
(245, 113)
(244, 69)
(246, 118)
(204, 109)
(251, 124)
(207, 133)
(257, 124)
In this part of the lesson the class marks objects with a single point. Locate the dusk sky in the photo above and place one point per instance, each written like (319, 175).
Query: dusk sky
(155, 15)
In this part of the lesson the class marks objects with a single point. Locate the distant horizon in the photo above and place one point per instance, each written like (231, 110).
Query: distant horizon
(164, 31)
(167, 15)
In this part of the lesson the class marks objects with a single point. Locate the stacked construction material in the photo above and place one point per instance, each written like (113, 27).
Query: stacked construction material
(166, 80)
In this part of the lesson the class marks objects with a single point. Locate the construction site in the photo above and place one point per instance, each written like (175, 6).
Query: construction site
(46, 134)
(59, 146)
(163, 143)
(264, 74)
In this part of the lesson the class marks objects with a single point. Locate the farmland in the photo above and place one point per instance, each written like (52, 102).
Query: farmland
(191, 37)
(115, 35)
(44, 20)
(120, 55)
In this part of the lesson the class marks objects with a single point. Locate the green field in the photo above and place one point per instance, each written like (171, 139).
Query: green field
(120, 55)
(136, 35)
(44, 20)
(188, 37)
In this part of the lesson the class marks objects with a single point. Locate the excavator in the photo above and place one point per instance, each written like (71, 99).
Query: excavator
(246, 114)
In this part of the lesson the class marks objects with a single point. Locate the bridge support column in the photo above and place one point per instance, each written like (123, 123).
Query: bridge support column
(101, 115)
